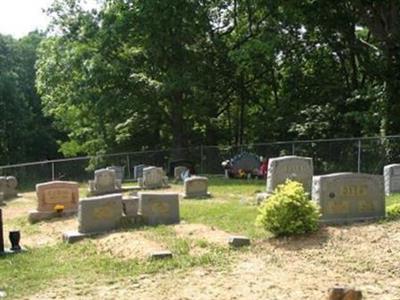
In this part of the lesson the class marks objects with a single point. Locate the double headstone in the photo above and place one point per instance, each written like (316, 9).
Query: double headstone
(153, 178)
(8, 186)
(55, 198)
(196, 186)
(345, 197)
(296, 168)
(392, 178)
(105, 182)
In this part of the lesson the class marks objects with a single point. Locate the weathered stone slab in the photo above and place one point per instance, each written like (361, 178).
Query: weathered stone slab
(153, 178)
(157, 208)
(392, 178)
(178, 171)
(238, 241)
(37, 216)
(346, 197)
(289, 167)
(99, 214)
(104, 182)
(130, 206)
(8, 186)
(196, 186)
(119, 172)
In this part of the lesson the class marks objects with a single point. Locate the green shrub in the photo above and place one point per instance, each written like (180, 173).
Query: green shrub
(289, 211)
(393, 211)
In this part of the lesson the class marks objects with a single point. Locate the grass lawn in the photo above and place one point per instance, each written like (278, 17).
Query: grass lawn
(231, 209)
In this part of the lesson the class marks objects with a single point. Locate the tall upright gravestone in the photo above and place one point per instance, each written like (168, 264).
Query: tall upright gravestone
(105, 182)
(346, 197)
(8, 186)
(392, 178)
(296, 168)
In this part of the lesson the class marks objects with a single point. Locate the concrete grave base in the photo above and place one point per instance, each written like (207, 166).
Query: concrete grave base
(37, 216)
(71, 237)
(195, 196)
(10, 252)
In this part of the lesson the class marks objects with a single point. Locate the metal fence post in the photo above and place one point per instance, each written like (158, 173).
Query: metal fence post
(293, 148)
(128, 165)
(201, 159)
(1, 232)
(52, 172)
(359, 157)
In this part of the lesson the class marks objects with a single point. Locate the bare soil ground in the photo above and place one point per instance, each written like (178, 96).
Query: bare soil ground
(365, 256)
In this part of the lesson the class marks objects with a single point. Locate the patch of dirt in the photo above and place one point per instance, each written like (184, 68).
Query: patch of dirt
(19, 207)
(45, 233)
(202, 232)
(127, 245)
(364, 256)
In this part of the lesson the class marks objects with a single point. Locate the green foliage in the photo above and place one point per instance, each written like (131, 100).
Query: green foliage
(393, 211)
(289, 211)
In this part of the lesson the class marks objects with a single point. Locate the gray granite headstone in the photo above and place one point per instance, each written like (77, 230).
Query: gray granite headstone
(119, 172)
(196, 186)
(153, 178)
(99, 214)
(131, 206)
(138, 171)
(159, 208)
(347, 197)
(105, 181)
(392, 178)
(8, 186)
(296, 168)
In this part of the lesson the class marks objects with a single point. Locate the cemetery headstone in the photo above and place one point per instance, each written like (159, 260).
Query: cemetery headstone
(99, 214)
(178, 171)
(130, 206)
(55, 198)
(119, 172)
(8, 186)
(153, 178)
(138, 171)
(157, 208)
(346, 197)
(96, 215)
(104, 182)
(296, 168)
(392, 178)
(196, 186)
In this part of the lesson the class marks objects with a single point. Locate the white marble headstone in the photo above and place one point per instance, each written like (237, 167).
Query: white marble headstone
(392, 178)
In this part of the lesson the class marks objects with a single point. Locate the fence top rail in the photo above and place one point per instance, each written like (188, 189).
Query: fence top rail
(44, 162)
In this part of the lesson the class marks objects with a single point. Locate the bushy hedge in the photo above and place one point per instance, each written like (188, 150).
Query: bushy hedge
(393, 211)
(289, 211)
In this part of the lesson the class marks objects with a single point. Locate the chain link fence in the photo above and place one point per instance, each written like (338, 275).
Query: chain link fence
(366, 155)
